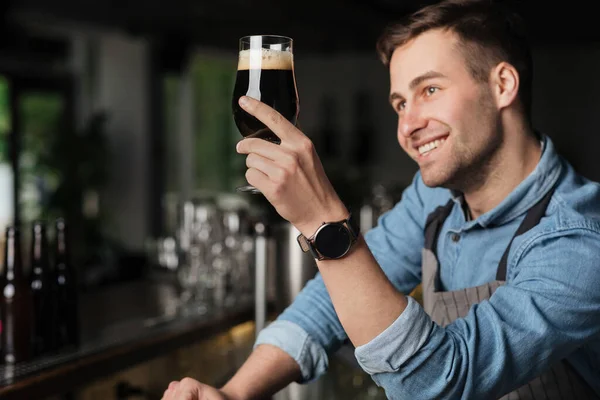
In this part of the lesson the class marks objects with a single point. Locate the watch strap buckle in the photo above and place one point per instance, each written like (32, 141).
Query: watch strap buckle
(306, 243)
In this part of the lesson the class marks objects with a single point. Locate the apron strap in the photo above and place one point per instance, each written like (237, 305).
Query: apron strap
(436, 219)
(434, 223)
(532, 218)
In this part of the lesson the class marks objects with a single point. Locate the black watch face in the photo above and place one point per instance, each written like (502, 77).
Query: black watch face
(333, 241)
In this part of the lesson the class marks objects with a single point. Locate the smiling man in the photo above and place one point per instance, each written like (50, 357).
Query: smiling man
(498, 227)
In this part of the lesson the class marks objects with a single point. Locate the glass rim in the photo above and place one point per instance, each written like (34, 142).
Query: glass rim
(248, 37)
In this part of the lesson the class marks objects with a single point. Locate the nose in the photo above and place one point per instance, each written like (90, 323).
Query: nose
(411, 121)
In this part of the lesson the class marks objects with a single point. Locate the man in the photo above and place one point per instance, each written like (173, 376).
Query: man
(499, 229)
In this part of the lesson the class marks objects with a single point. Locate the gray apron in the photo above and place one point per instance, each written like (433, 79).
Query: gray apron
(561, 381)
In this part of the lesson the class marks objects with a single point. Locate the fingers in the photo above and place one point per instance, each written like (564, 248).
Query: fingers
(275, 172)
(283, 128)
(294, 143)
(265, 148)
(168, 394)
(187, 389)
(287, 155)
(258, 179)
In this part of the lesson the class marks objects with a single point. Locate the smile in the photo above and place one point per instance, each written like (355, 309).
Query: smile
(430, 146)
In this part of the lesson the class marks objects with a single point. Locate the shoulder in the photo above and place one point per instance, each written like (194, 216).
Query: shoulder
(575, 203)
(568, 236)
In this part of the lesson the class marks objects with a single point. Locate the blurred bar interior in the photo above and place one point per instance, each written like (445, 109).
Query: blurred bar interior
(115, 120)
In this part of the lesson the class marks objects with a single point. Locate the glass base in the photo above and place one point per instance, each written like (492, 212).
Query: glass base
(248, 189)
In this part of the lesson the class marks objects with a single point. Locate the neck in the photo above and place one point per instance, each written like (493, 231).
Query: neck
(516, 158)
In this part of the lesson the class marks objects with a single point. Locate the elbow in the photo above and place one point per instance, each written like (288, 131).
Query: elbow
(439, 370)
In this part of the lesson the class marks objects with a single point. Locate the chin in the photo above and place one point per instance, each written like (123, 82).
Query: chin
(433, 180)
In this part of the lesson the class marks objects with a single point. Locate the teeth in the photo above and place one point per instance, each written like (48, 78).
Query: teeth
(430, 146)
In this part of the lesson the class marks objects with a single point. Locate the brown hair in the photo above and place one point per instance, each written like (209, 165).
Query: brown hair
(489, 32)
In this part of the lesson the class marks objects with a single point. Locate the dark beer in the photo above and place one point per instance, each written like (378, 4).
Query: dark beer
(66, 297)
(15, 303)
(41, 290)
(266, 75)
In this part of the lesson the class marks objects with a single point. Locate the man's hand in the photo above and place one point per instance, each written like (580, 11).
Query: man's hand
(190, 389)
(290, 175)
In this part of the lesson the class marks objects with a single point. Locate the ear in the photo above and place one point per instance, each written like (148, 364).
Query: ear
(504, 81)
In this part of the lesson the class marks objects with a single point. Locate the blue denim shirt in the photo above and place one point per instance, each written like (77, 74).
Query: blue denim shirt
(548, 309)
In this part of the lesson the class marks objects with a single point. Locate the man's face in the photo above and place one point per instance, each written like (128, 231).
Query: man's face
(447, 121)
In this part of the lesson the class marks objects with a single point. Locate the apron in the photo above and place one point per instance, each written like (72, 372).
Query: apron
(561, 381)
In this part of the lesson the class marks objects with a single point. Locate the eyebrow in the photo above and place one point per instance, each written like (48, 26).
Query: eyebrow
(417, 81)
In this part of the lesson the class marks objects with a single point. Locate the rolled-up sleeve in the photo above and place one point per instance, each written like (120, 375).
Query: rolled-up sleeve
(389, 350)
(296, 342)
(545, 312)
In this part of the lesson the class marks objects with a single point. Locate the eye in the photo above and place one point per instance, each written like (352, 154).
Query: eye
(429, 90)
(401, 105)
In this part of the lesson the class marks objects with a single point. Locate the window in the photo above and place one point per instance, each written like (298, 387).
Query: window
(41, 114)
(217, 165)
(6, 171)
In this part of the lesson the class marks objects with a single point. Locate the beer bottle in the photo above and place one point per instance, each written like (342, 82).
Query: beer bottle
(41, 290)
(66, 299)
(16, 303)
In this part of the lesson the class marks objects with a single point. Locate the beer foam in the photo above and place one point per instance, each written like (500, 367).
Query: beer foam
(265, 59)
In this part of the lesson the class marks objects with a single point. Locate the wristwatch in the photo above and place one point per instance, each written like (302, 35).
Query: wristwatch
(332, 240)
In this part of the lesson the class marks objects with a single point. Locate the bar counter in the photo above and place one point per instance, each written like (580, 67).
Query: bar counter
(121, 325)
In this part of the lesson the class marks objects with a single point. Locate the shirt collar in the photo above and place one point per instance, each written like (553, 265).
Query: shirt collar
(527, 193)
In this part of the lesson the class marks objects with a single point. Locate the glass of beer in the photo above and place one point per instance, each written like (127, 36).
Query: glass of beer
(265, 72)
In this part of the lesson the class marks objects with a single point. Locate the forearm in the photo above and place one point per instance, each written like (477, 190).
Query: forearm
(267, 370)
(365, 300)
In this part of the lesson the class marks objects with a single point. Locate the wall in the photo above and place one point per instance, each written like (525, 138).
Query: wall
(343, 76)
(122, 90)
(566, 102)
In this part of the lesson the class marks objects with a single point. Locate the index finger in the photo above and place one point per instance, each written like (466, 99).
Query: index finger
(273, 120)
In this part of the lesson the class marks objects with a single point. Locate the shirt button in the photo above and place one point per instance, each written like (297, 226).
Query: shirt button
(455, 237)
